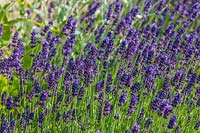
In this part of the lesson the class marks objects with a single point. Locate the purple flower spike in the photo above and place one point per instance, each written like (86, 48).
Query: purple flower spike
(172, 122)
(93, 8)
(46, 29)
(3, 98)
(12, 126)
(22, 124)
(114, 11)
(70, 27)
(1, 30)
(99, 86)
(161, 5)
(196, 127)
(41, 117)
(122, 99)
(44, 95)
(75, 87)
(33, 39)
(69, 44)
(4, 126)
(135, 128)
(9, 103)
(98, 131)
(147, 6)
(15, 38)
(117, 116)
(148, 123)
(109, 83)
(176, 100)
(107, 108)
(133, 104)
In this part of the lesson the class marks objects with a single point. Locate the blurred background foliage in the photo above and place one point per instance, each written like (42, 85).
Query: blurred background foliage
(25, 15)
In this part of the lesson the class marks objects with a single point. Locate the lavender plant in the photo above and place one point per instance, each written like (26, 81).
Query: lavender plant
(112, 67)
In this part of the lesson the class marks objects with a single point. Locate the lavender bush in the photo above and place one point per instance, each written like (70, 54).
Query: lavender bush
(104, 67)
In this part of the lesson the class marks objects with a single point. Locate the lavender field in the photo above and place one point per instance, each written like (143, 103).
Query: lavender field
(100, 66)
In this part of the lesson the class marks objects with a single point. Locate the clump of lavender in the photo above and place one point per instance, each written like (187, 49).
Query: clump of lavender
(105, 64)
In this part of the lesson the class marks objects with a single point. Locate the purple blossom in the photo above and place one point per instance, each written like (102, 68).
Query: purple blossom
(69, 44)
(177, 130)
(12, 125)
(133, 104)
(126, 22)
(3, 98)
(126, 79)
(33, 39)
(155, 104)
(100, 32)
(109, 83)
(46, 29)
(117, 116)
(172, 122)
(109, 13)
(100, 86)
(141, 115)
(197, 125)
(31, 115)
(164, 105)
(4, 126)
(41, 117)
(50, 8)
(107, 108)
(117, 11)
(44, 95)
(75, 87)
(114, 11)
(45, 49)
(59, 99)
(22, 124)
(98, 131)
(93, 8)
(147, 6)
(177, 99)
(9, 103)
(1, 30)
(15, 38)
(122, 99)
(108, 43)
(135, 128)
(57, 117)
(81, 93)
(161, 5)
(135, 88)
(148, 123)
(70, 27)
(197, 92)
